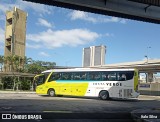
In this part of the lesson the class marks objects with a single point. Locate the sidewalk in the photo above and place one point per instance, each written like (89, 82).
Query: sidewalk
(148, 97)
(18, 92)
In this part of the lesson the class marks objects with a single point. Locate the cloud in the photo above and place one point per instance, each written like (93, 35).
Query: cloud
(73, 37)
(109, 34)
(44, 22)
(40, 8)
(4, 7)
(1, 39)
(81, 15)
(44, 54)
(34, 46)
(2, 17)
(107, 20)
(1, 46)
(2, 32)
(123, 21)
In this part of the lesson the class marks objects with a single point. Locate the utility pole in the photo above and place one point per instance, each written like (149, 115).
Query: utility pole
(147, 55)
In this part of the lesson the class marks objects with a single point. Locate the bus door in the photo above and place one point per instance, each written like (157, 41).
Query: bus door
(39, 81)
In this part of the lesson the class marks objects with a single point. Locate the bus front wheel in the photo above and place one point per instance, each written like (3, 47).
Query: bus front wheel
(51, 92)
(104, 95)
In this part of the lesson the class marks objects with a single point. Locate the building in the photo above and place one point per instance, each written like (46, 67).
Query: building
(93, 56)
(15, 34)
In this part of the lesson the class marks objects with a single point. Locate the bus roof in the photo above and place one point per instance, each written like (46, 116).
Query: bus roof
(85, 69)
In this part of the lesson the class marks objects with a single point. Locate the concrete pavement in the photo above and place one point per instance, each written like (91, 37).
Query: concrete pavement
(151, 114)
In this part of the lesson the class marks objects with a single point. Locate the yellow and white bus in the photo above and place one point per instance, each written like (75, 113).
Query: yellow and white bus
(102, 83)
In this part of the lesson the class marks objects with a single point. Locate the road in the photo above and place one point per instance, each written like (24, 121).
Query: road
(67, 107)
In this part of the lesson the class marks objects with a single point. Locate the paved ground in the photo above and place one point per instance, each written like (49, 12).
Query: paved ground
(76, 109)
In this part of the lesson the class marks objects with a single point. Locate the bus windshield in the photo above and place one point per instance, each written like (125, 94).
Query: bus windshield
(40, 79)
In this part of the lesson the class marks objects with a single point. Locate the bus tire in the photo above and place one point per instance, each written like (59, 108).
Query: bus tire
(104, 95)
(51, 92)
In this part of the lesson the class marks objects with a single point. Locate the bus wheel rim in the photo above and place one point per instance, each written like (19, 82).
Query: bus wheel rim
(104, 96)
(52, 93)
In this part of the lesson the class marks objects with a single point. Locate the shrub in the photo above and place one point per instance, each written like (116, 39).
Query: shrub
(25, 85)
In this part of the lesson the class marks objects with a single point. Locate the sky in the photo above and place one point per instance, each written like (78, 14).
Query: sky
(59, 35)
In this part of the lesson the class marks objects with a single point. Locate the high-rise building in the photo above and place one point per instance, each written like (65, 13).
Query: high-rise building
(94, 55)
(15, 34)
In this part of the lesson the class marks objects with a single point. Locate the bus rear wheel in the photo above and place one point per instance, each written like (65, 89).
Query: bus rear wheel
(104, 95)
(51, 92)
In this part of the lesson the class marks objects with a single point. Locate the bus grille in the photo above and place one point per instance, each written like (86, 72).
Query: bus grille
(127, 92)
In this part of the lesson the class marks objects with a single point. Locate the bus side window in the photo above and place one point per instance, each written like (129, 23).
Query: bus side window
(121, 76)
(112, 76)
(80, 76)
(77, 76)
(54, 76)
(129, 75)
(91, 76)
(65, 76)
(84, 76)
(94, 76)
(70, 76)
(105, 76)
(98, 76)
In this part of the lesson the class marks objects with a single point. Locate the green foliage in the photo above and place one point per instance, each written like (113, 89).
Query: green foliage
(1, 62)
(25, 85)
(38, 66)
(35, 68)
(26, 65)
(8, 82)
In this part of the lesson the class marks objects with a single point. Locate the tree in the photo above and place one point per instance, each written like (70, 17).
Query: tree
(1, 61)
(38, 66)
(35, 68)
(16, 63)
(48, 65)
(9, 61)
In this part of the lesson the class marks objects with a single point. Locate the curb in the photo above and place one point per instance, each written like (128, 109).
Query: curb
(17, 92)
(150, 96)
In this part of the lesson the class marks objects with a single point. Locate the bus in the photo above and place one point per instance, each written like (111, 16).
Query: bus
(90, 82)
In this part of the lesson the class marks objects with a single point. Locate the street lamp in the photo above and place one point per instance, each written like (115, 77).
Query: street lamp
(148, 51)
(147, 56)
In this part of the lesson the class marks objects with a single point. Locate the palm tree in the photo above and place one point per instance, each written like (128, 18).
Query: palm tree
(29, 60)
(1, 61)
(15, 62)
(9, 62)
(5, 64)
(26, 62)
